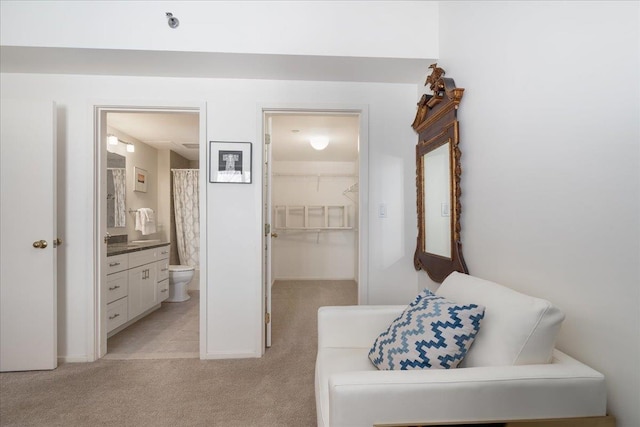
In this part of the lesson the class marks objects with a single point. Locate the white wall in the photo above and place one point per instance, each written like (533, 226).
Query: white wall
(550, 157)
(163, 214)
(329, 255)
(234, 220)
(382, 29)
(144, 157)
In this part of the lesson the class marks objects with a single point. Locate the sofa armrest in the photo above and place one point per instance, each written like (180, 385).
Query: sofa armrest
(565, 388)
(354, 326)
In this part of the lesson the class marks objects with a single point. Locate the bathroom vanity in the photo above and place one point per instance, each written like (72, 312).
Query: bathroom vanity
(137, 282)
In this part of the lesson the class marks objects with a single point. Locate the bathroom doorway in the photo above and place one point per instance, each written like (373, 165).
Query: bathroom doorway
(143, 152)
(313, 211)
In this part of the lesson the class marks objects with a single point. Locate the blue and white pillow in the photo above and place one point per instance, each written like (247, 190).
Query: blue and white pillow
(432, 332)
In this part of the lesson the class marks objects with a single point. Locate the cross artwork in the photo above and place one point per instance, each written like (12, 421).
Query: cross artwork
(230, 161)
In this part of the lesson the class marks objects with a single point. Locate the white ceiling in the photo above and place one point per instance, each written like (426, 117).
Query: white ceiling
(160, 130)
(172, 130)
(289, 145)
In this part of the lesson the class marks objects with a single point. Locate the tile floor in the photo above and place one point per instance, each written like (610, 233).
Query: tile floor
(171, 332)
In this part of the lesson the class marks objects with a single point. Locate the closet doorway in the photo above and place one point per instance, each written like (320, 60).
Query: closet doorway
(148, 160)
(312, 212)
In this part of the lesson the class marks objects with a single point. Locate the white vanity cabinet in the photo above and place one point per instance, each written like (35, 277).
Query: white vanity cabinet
(136, 282)
(163, 274)
(116, 291)
(142, 289)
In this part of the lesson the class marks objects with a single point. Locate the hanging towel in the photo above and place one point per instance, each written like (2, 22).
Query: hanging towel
(145, 221)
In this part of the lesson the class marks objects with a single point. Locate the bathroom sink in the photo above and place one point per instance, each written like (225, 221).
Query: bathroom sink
(142, 242)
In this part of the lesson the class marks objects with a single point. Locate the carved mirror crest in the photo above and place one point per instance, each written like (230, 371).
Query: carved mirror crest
(438, 172)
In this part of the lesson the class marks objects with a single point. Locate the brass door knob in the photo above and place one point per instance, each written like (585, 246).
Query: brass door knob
(274, 234)
(40, 244)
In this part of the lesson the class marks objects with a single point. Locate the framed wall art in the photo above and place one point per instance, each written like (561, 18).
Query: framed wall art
(140, 179)
(230, 162)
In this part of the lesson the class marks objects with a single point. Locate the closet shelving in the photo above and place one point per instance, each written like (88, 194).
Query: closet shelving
(311, 217)
(351, 193)
(317, 176)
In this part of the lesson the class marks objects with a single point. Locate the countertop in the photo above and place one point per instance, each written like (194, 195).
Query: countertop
(127, 247)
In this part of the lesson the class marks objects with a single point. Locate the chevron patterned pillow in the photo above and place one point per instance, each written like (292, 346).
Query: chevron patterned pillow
(432, 332)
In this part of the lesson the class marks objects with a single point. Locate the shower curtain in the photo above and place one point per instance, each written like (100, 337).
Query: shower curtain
(186, 194)
(119, 196)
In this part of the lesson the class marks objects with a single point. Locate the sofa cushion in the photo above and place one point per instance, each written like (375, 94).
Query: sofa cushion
(517, 329)
(432, 332)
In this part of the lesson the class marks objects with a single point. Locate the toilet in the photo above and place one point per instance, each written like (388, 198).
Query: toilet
(179, 278)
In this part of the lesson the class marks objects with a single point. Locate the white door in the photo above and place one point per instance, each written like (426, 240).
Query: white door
(269, 232)
(28, 320)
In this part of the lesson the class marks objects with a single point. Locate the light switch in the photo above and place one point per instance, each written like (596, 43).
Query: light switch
(382, 210)
(444, 209)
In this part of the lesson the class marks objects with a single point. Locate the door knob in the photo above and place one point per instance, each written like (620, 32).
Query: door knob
(274, 234)
(40, 244)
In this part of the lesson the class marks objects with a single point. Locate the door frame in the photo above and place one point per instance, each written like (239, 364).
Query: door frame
(362, 110)
(97, 330)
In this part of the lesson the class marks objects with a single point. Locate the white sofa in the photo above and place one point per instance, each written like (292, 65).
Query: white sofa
(511, 372)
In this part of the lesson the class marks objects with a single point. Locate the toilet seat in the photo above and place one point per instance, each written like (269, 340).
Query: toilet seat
(181, 268)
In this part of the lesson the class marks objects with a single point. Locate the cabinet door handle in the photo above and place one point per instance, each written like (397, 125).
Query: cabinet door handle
(164, 290)
(114, 316)
(114, 288)
(164, 269)
(113, 264)
(164, 252)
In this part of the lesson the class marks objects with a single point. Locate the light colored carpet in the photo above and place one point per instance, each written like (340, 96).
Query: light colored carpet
(276, 390)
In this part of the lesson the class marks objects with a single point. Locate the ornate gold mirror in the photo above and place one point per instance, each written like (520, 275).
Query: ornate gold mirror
(438, 171)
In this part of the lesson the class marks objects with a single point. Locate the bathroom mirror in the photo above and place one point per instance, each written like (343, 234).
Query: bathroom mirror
(438, 172)
(116, 190)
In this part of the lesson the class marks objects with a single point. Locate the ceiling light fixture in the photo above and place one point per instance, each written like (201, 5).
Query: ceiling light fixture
(112, 140)
(130, 147)
(319, 142)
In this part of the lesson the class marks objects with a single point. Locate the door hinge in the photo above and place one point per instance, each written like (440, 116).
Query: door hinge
(267, 318)
(267, 229)
(267, 139)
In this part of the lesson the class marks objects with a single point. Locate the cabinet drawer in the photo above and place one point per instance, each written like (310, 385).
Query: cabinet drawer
(163, 290)
(142, 257)
(117, 286)
(163, 252)
(116, 314)
(117, 263)
(163, 269)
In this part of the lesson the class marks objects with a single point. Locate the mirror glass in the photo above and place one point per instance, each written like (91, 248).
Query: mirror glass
(116, 190)
(437, 201)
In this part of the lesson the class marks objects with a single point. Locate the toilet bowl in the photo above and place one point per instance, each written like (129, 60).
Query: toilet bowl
(179, 278)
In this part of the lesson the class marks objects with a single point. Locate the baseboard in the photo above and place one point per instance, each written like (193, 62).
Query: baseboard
(229, 355)
(74, 359)
(306, 279)
(603, 421)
